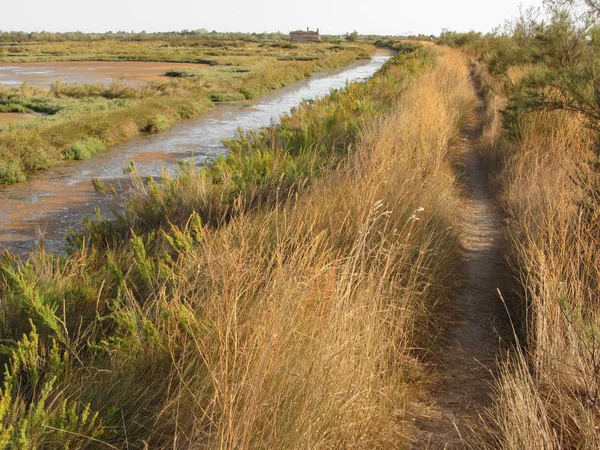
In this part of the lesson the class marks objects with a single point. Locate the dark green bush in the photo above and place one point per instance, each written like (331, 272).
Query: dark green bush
(155, 124)
(227, 96)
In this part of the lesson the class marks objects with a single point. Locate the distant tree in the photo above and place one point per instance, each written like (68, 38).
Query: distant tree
(352, 37)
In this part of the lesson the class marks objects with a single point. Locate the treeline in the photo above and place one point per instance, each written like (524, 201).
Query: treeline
(188, 35)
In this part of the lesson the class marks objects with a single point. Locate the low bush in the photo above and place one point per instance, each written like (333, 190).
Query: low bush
(11, 171)
(156, 123)
(182, 73)
(85, 149)
(227, 97)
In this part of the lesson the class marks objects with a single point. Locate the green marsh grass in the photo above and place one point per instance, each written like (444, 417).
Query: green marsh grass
(238, 70)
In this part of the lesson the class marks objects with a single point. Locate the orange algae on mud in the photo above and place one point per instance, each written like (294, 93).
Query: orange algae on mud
(43, 74)
(15, 117)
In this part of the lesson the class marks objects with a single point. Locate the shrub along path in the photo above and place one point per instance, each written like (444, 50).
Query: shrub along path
(466, 366)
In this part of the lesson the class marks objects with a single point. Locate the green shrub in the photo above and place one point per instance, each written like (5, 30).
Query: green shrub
(119, 89)
(13, 103)
(33, 413)
(11, 172)
(14, 108)
(155, 124)
(76, 90)
(187, 111)
(248, 93)
(35, 159)
(85, 149)
(182, 73)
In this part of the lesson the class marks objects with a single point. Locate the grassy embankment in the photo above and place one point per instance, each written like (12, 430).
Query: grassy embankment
(540, 86)
(273, 300)
(85, 119)
(549, 394)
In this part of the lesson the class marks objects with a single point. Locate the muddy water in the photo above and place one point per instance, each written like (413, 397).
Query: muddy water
(15, 117)
(48, 204)
(43, 74)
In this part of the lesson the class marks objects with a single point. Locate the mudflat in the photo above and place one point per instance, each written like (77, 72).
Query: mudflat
(43, 74)
(15, 117)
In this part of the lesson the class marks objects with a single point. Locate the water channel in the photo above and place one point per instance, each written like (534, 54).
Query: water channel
(48, 204)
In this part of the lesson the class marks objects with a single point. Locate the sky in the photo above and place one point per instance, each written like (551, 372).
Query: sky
(383, 17)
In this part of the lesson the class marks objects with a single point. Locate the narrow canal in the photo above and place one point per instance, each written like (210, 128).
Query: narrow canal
(47, 205)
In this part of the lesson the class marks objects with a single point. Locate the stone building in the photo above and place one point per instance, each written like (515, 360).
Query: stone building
(305, 36)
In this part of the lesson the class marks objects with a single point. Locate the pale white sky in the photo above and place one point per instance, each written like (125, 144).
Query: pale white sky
(331, 16)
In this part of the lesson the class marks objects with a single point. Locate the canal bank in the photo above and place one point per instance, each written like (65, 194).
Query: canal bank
(47, 205)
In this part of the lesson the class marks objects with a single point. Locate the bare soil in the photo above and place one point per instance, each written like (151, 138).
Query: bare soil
(15, 117)
(462, 390)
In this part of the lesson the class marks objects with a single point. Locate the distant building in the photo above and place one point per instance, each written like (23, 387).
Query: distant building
(305, 36)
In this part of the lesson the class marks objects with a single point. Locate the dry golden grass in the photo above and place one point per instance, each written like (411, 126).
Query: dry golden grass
(492, 143)
(549, 393)
(517, 73)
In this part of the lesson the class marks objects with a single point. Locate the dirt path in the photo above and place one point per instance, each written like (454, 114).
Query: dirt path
(466, 366)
